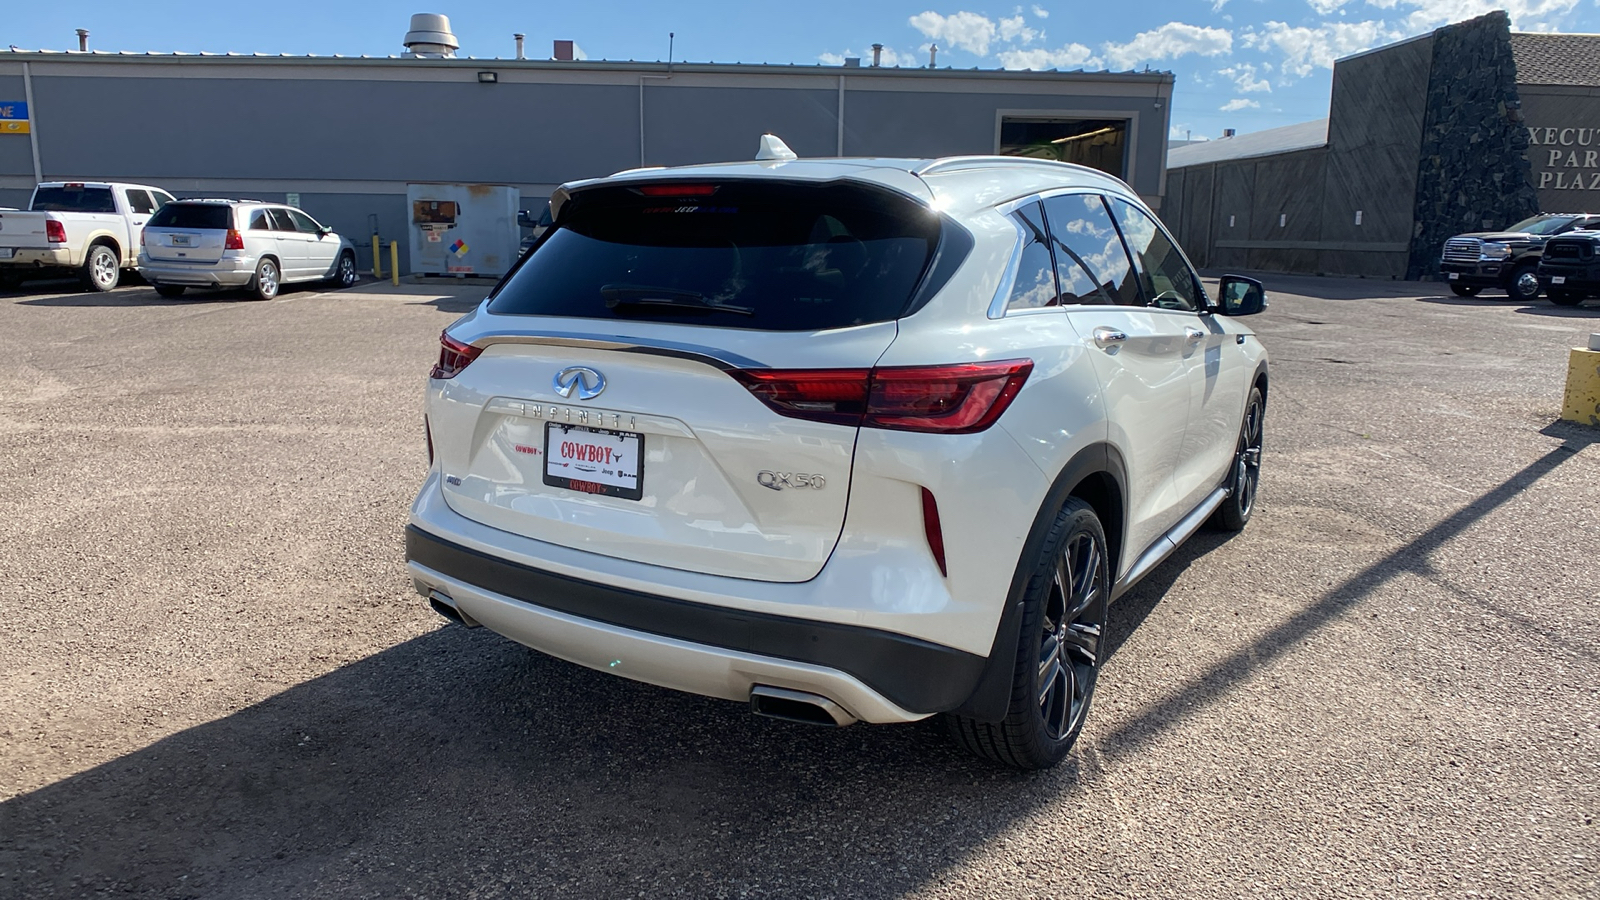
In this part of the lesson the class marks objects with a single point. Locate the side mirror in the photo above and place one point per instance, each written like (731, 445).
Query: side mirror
(1241, 296)
(325, 230)
(525, 219)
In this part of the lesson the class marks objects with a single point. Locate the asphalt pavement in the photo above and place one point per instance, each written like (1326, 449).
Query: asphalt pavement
(216, 681)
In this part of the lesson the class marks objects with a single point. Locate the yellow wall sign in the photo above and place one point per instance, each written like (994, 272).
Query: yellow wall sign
(7, 127)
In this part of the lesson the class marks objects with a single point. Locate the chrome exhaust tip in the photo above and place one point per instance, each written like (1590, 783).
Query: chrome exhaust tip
(798, 706)
(444, 606)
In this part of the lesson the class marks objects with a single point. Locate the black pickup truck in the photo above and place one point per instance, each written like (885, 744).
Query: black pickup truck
(1508, 260)
(1570, 269)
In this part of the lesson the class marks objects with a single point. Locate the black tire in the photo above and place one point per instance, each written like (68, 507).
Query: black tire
(9, 281)
(1059, 649)
(344, 273)
(101, 270)
(1245, 477)
(1523, 283)
(1566, 298)
(1465, 290)
(171, 290)
(268, 279)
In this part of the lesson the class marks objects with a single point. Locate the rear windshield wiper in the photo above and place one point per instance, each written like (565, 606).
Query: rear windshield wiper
(670, 298)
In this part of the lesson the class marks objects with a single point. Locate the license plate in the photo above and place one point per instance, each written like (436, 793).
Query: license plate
(594, 460)
(180, 240)
(1454, 275)
(7, 252)
(1558, 279)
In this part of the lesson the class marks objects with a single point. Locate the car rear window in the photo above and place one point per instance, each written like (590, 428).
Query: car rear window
(771, 256)
(193, 215)
(73, 199)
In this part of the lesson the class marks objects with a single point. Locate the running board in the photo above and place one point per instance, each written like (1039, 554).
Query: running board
(1169, 542)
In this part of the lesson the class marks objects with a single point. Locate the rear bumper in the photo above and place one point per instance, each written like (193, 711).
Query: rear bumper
(222, 273)
(710, 649)
(34, 258)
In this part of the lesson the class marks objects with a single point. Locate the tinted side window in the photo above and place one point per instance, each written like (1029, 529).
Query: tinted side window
(1166, 278)
(1090, 259)
(139, 201)
(304, 223)
(162, 199)
(1035, 286)
(281, 220)
(260, 221)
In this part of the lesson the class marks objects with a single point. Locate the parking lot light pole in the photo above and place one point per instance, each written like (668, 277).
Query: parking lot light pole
(1582, 401)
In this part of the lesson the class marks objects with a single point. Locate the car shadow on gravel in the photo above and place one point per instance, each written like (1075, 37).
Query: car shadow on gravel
(1537, 308)
(459, 763)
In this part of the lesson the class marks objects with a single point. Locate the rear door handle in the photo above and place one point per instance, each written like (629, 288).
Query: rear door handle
(1106, 337)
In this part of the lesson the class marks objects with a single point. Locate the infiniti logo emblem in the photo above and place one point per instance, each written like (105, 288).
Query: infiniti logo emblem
(587, 383)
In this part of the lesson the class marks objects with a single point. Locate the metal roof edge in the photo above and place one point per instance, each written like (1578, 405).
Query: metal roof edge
(593, 65)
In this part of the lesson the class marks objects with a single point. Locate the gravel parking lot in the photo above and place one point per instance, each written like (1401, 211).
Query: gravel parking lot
(217, 682)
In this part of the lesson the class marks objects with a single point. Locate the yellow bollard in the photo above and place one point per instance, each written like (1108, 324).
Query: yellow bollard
(377, 258)
(394, 262)
(1582, 401)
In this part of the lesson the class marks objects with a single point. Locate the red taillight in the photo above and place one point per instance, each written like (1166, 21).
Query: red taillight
(55, 232)
(822, 395)
(453, 356)
(141, 236)
(234, 241)
(955, 399)
(678, 190)
(930, 525)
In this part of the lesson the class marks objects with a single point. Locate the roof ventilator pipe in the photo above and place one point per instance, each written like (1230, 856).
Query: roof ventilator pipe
(877, 55)
(520, 38)
(933, 55)
(83, 40)
(430, 37)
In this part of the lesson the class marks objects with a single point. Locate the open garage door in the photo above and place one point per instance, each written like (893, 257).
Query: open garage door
(1096, 143)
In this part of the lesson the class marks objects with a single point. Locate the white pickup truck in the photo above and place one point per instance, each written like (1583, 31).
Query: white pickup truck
(87, 228)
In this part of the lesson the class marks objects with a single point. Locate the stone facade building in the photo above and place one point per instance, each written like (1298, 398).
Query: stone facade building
(1471, 127)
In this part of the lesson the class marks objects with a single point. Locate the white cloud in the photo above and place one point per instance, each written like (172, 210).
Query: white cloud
(1326, 7)
(831, 59)
(1239, 103)
(1526, 15)
(1016, 28)
(962, 30)
(1305, 49)
(1170, 40)
(1071, 56)
(1041, 12)
(1244, 75)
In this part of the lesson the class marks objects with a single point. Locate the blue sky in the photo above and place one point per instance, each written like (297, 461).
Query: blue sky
(1246, 64)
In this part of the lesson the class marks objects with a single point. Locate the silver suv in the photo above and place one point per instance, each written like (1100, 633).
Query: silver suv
(240, 243)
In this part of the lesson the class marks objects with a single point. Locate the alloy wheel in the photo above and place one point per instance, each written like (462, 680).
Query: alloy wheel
(1247, 463)
(347, 271)
(105, 269)
(1069, 650)
(1525, 286)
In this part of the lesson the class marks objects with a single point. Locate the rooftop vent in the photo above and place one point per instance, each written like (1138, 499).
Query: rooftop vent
(430, 36)
(1229, 132)
(562, 50)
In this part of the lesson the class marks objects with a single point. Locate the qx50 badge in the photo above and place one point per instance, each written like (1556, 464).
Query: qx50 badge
(587, 383)
(777, 481)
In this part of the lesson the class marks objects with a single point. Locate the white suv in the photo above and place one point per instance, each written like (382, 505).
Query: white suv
(849, 440)
(240, 243)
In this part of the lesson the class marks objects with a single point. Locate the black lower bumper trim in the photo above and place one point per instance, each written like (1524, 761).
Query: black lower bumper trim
(916, 675)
